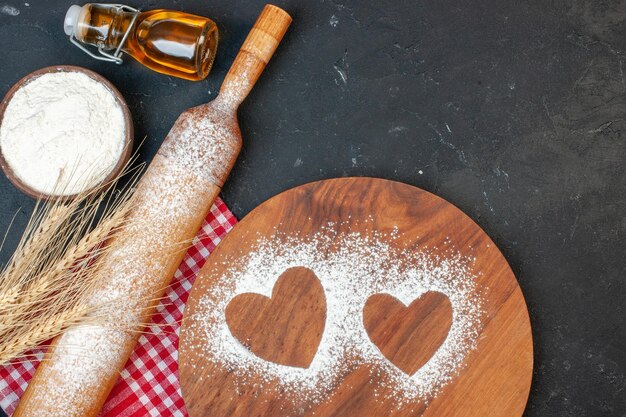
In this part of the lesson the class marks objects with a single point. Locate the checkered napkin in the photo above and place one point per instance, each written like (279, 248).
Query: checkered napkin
(149, 383)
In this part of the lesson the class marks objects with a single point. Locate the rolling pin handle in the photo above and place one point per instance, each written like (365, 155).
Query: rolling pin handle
(254, 55)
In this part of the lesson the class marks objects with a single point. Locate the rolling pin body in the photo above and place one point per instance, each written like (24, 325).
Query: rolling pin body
(171, 201)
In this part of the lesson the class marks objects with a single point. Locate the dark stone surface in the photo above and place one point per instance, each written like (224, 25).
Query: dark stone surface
(513, 111)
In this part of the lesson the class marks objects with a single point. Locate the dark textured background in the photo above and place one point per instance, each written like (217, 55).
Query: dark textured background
(514, 111)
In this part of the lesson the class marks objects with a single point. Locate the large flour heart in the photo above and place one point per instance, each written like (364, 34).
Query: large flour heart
(408, 336)
(287, 328)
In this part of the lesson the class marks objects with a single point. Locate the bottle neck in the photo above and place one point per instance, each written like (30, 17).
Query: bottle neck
(103, 25)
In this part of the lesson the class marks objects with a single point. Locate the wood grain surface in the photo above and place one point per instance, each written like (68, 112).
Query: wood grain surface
(408, 335)
(494, 379)
(294, 317)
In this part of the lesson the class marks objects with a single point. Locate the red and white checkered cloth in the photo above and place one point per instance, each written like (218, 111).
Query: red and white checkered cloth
(149, 383)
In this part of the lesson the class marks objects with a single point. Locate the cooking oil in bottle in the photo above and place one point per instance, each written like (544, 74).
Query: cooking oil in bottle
(167, 41)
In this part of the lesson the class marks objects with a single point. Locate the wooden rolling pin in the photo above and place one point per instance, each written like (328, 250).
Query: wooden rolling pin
(172, 199)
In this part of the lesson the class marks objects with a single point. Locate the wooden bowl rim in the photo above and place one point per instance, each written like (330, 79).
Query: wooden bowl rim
(128, 129)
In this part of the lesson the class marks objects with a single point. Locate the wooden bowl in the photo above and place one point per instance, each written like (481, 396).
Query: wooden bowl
(128, 128)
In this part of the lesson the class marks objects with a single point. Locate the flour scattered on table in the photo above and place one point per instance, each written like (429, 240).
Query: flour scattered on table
(9, 10)
(357, 267)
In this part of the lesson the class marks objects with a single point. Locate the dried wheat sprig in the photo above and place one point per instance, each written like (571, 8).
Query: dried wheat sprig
(44, 224)
(7, 297)
(85, 251)
(37, 333)
(47, 284)
(51, 220)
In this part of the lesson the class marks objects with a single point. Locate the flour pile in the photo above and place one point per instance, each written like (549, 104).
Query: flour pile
(62, 133)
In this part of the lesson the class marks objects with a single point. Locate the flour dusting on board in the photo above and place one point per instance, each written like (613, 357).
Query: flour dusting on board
(360, 266)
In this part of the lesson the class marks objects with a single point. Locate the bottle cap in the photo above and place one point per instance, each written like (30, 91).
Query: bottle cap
(71, 19)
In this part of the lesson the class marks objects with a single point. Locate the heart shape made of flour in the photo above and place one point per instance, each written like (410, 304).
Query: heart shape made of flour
(287, 328)
(408, 336)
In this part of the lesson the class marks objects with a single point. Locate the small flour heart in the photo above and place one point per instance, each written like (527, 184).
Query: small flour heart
(287, 328)
(408, 336)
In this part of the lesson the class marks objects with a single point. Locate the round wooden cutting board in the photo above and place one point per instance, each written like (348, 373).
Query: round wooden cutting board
(441, 329)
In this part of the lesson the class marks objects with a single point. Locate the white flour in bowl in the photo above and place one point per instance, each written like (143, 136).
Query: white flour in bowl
(62, 133)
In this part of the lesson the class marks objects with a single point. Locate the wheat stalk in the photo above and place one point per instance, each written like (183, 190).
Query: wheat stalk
(47, 284)
(45, 329)
(84, 251)
(43, 224)
(7, 297)
(52, 219)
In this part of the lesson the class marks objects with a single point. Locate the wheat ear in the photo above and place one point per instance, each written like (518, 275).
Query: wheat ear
(40, 332)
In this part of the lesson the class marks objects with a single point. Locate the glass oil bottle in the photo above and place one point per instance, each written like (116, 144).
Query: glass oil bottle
(167, 41)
